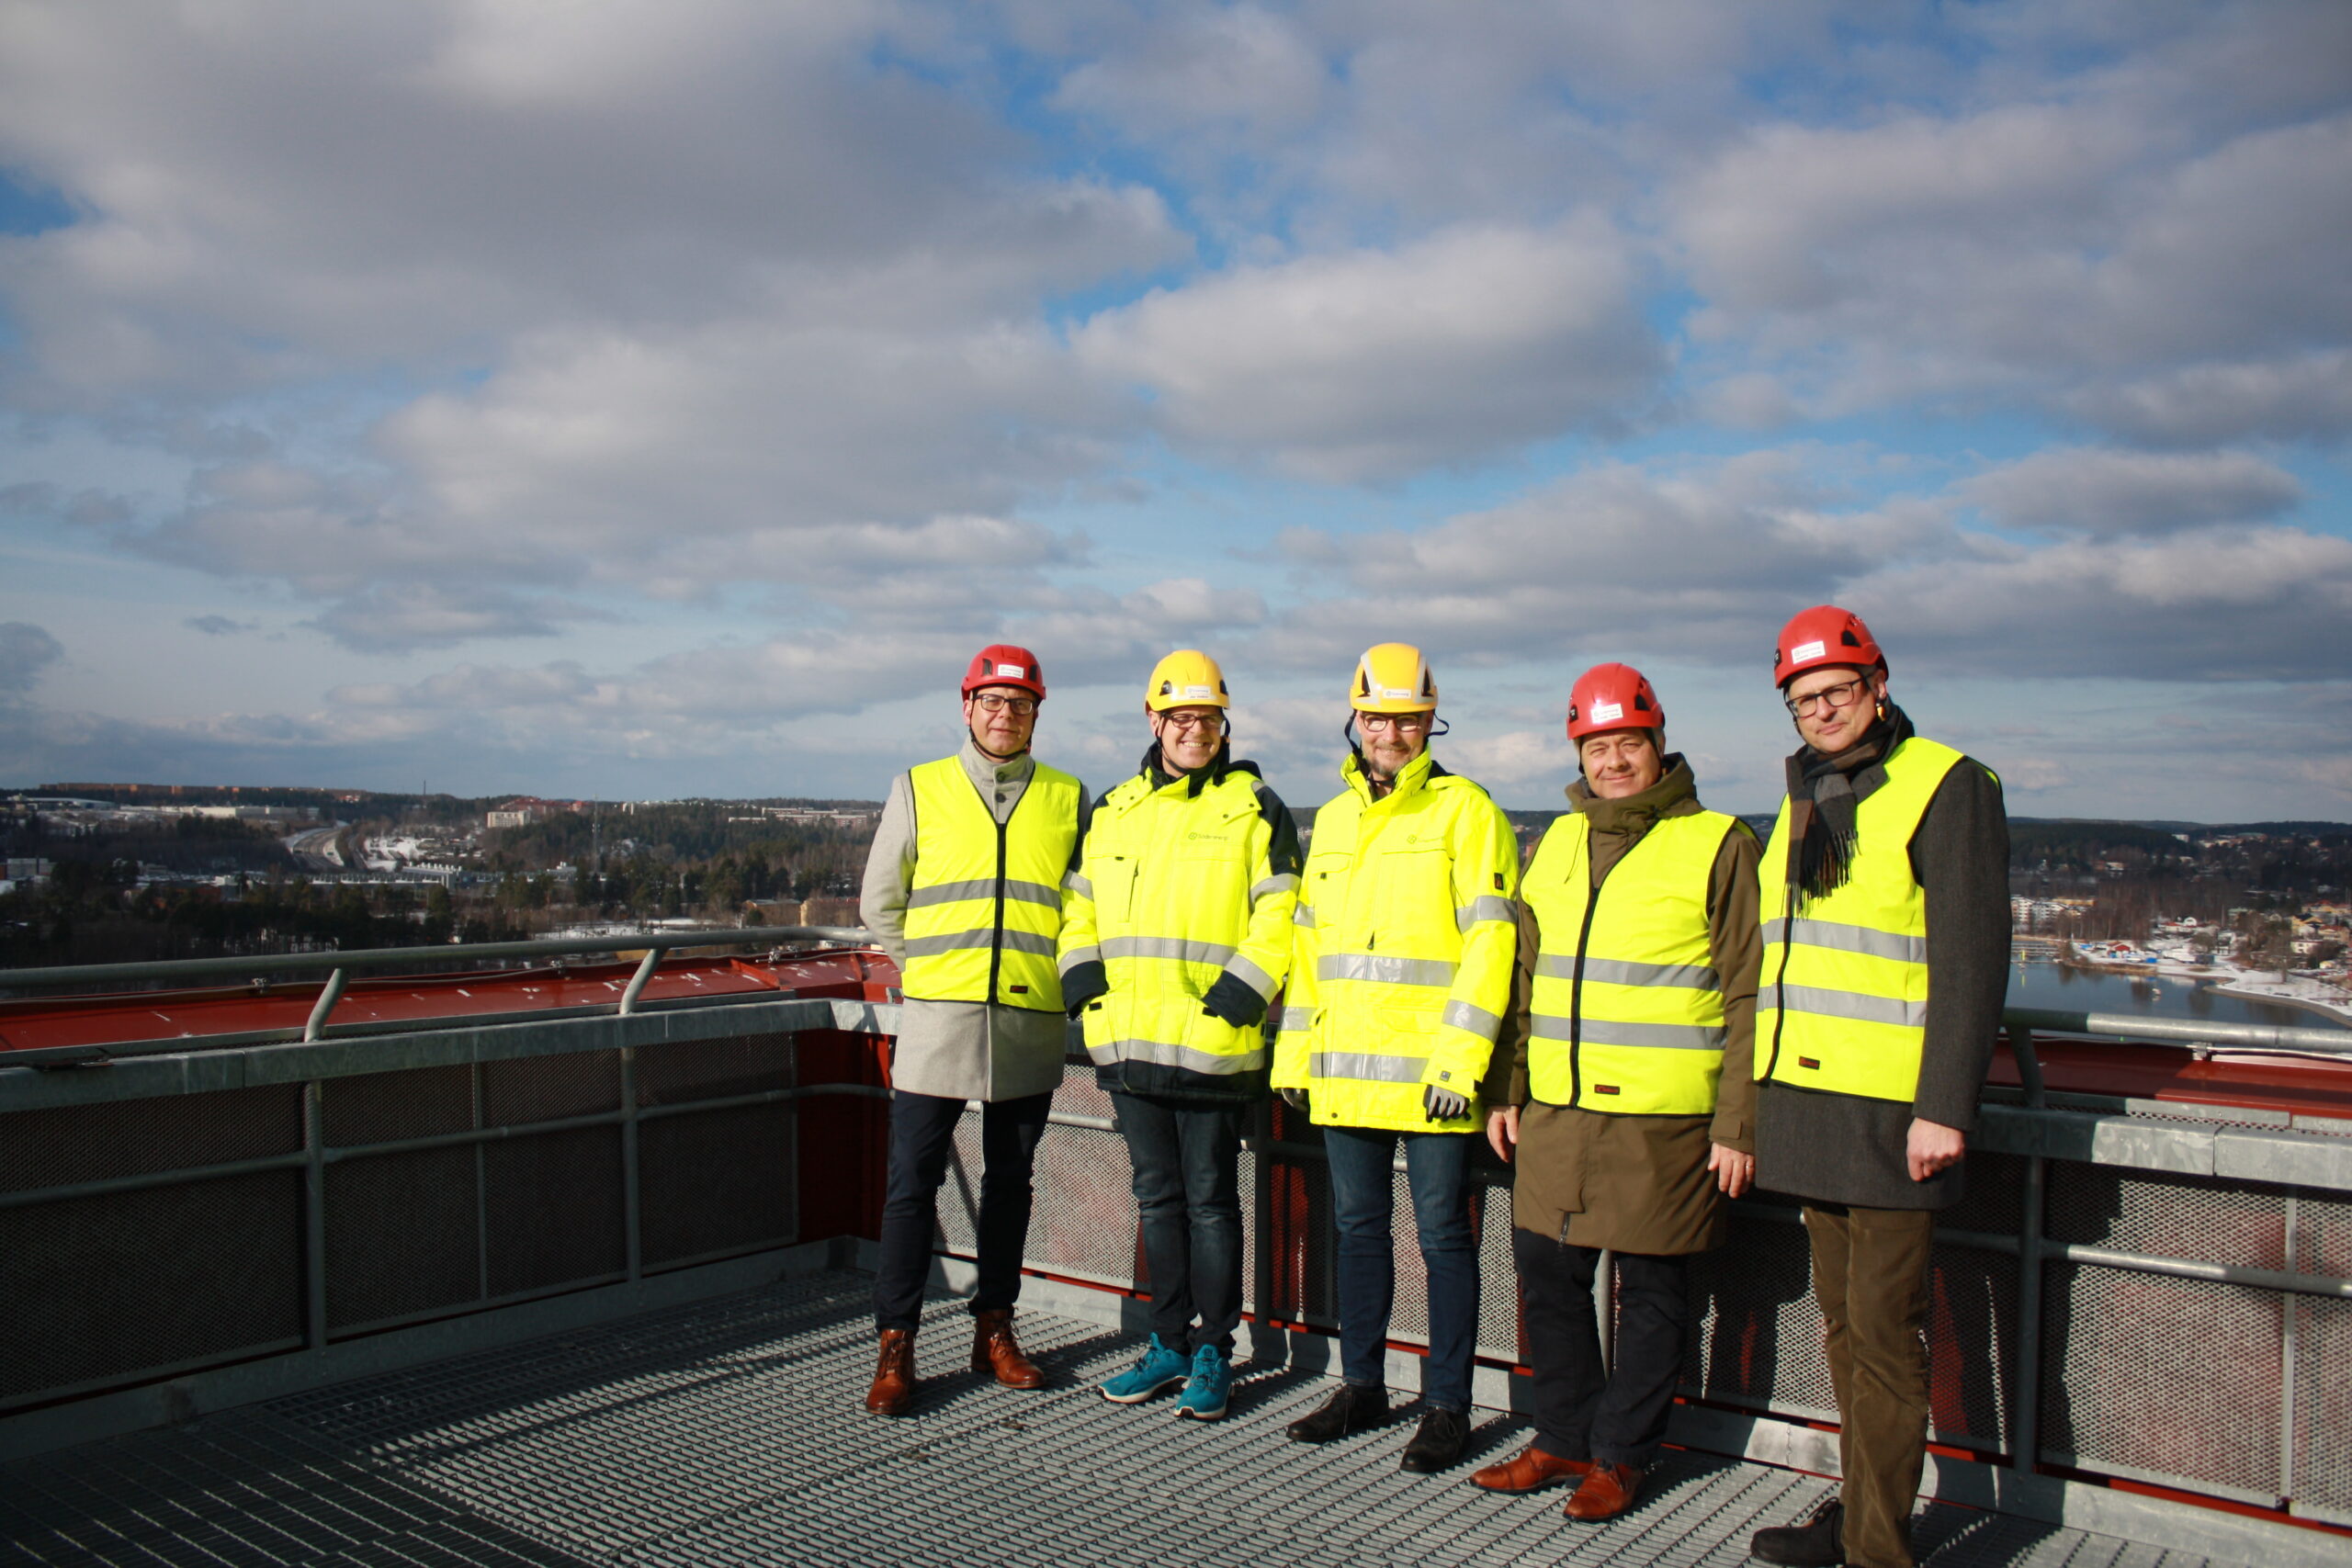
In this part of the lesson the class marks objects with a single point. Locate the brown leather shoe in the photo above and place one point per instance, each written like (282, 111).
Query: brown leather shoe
(893, 1393)
(1606, 1492)
(1531, 1470)
(997, 1353)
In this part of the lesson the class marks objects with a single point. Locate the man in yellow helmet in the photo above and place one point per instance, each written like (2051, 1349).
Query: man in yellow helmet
(1886, 943)
(1399, 973)
(963, 889)
(1175, 937)
(1629, 1101)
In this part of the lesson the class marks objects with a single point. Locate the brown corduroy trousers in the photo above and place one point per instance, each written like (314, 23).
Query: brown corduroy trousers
(1870, 1274)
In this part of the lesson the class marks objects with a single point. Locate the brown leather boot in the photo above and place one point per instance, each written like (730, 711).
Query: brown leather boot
(1531, 1470)
(1608, 1491)
(893, 1393)
(997, 1353)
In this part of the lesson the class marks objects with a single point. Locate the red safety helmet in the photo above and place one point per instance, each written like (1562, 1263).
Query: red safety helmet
(1824, 634)
(1002, 664)
(1613, 696)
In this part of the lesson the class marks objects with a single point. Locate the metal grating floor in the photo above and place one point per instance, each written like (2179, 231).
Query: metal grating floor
(729, 1432)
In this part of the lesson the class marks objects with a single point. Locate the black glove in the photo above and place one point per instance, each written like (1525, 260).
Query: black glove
(1083, 984)
(1234, 1002)
(1296, 1099)
(1442, 1104)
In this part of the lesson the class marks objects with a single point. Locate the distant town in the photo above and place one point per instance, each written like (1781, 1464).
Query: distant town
(97, 872)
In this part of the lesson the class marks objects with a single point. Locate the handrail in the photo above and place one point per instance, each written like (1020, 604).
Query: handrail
(2135, 1026)
(395, 957)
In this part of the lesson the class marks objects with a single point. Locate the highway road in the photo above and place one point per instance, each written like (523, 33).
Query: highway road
(315, 850)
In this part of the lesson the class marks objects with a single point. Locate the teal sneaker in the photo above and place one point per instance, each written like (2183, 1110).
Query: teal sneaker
(1155, 1369)
(1205, 1390)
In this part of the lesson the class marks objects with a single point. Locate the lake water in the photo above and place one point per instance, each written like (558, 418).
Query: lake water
(2053, 986)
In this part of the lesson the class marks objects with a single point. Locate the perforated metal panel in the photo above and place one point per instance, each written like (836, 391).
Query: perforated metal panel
(403, 1235)
(71, 1144)
(548, 1088)
(382, 1108)
(2161, 1379)
(1756, 1337)
(554, 1209)
(714, 1182)
(2171, 1217)
(676, 1071)
(2322, 1425)
(1083, 1224)
(97, 1288)
(1972, 1347)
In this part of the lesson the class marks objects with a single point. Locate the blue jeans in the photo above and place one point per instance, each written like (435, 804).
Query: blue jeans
(1186, 1160)
(1437, 1173)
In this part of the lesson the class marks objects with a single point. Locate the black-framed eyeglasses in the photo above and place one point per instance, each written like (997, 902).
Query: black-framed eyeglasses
(1376, 722)
(994, 702)
(1210, 722)
(1845, 694)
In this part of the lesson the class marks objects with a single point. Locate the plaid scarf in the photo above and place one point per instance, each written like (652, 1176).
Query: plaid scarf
(1821, 803)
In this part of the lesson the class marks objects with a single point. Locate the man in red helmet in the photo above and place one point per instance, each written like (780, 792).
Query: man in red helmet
(1884, 893)
(964, 890)
(1629, 1090)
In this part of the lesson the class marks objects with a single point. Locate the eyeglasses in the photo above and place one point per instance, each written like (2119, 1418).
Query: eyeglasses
(1843, 695)
(1374, 723)
(1212, 722)
(1020, 708)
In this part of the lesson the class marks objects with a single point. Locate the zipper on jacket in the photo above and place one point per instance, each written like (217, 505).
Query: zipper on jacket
(1575, 989)
(996, 935)
(1780, 981)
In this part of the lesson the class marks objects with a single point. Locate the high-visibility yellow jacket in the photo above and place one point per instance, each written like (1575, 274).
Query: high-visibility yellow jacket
(985, 906)
(1180, 883)
(1402, 950)
(1627, 1008)
(1844, 1003)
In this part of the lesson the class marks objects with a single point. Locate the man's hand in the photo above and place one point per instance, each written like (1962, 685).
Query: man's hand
(1933, 1147)
(1502, 1131)
(1442, 1104)
(1735, 1172)
(1232, 1000)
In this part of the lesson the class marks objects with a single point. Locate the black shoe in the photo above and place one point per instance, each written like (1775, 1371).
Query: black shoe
(1437, 1445)
(1350, 1409)
(1817, 1540)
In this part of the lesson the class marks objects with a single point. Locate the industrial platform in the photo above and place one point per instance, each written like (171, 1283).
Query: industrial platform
(728, 1431)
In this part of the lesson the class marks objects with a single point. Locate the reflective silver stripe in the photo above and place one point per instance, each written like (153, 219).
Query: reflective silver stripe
(1845, 1004)
(1284, 882)
(1651, 1036)
(1853, 939)
(985, 887)
(1627, 972)
(1382, 970)
(1165, 947)
(1078, 955)
(1303, 916)
(1298, 1017)
(950, 941)
(1073, 883)
(1161, 1053)
(1478, 1021)
(1249, 975)
(1486, 907)
(1370, 1069)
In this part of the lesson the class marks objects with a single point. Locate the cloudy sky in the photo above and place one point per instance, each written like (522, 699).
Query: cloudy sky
(666, 397)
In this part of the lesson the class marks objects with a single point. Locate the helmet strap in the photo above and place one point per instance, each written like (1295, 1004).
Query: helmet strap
(979, 746)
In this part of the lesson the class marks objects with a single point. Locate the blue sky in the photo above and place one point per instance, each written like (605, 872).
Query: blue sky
(637, 399)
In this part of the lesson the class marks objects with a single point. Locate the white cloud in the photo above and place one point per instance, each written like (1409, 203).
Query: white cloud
(1373, 363)
(2109, 492)
(25, 651)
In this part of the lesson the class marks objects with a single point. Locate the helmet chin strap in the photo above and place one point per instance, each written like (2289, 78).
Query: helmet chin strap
(981, 747)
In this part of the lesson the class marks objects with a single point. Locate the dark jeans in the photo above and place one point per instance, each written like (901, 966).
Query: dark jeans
(1437, 1174)
(922, 1131)
(1187, 1160)
(1614, 1414)
(1870, 1274)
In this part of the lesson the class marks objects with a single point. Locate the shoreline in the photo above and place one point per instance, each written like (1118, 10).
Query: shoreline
(2223, 982)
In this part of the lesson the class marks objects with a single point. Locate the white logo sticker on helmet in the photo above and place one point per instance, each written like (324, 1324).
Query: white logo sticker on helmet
(1020, 672)
(1603, 712)
(1396, 694)
(1202, 693)
(1805, 651)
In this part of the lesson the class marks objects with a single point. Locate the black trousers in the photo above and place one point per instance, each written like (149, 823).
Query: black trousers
(1187, 1160)
(923, 1132)
(1610, 1417)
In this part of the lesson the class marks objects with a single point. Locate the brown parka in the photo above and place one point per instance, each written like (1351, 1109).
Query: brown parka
(1638, 1183)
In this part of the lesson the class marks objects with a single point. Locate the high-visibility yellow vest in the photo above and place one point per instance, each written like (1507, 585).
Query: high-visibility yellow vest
(1628, 1007)
(1405, 936)
(1844, 1003)
(986, 904)
(1176, 889)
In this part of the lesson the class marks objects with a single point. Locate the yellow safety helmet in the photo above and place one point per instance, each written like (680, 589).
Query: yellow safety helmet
(1186, 678)
(1394, 678)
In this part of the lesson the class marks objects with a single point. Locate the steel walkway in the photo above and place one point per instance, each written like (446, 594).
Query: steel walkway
(729, 1432)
